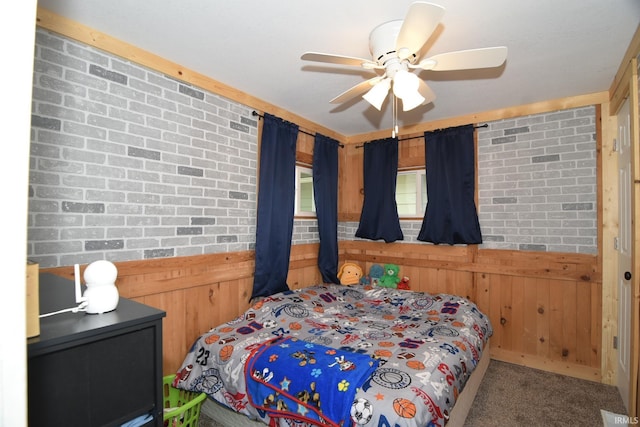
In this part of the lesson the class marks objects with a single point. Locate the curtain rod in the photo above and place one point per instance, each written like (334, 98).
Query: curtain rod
(416, 137)
(255, 113)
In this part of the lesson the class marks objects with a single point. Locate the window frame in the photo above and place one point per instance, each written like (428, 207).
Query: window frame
(297, 212)
(420, 174)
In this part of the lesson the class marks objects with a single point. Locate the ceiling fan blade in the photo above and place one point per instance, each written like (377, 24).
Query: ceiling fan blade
(487, 57)
(356, 90)
(339, 59)
(428, 94)
(420, 22)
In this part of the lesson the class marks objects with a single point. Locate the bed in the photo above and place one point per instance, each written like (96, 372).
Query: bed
(342, 356)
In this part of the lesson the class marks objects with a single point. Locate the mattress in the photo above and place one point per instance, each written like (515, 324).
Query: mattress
(414, 353)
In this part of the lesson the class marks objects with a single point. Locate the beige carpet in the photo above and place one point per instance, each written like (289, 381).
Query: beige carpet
(515, 396)
(512, 395)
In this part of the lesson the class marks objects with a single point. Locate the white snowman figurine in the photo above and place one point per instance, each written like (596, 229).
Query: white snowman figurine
(101, 294)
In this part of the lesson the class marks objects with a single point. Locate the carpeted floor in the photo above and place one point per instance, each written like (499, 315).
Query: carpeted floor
(512, 395)
(515, 396)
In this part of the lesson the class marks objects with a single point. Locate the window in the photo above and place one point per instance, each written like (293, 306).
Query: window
(411, 193)
(305, 204)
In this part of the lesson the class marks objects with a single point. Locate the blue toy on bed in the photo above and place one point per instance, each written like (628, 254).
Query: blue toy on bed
(303, 381)
(373, 278)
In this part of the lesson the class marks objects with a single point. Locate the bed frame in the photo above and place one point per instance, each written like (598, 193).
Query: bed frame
(227, 418)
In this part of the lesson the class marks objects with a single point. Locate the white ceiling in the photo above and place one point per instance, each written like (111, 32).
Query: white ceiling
(557, 48)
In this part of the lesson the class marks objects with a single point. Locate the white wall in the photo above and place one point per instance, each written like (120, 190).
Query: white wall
(17, 33)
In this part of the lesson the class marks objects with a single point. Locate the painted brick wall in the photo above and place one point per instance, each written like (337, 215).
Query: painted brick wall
(127, 163)
(537, 182)
(410, 230)
(305, 231)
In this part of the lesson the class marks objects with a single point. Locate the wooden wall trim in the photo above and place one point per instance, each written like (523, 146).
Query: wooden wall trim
(621, 91)
(551, 265)
(74, 30)
(545, 364)
(608, 230)
(487, 116)
(153, 276)
(634, 100)
(621, 77)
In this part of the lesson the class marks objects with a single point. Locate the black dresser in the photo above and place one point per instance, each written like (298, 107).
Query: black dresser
(93, 369)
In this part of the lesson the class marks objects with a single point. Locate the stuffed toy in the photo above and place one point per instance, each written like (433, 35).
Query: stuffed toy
(350, 273)
(376, 272)
(373, 278)
(365, 281)
(391, 278)
(404, 283)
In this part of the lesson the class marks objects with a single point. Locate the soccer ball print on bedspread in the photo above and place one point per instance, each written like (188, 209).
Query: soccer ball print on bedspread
(426, 345)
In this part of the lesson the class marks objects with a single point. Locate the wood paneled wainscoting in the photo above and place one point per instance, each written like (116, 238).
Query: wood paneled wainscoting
(545, 308)
(199, 292)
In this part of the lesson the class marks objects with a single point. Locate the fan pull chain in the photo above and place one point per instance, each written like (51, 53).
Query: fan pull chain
(394, 113)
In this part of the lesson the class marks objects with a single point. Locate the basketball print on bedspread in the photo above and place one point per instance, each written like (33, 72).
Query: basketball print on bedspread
(425, 345)
(404, 407)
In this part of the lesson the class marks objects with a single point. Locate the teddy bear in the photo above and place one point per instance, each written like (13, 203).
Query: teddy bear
(349, 274)
(390, 278)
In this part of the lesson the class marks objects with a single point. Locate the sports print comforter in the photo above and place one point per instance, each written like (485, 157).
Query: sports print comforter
(425, 346)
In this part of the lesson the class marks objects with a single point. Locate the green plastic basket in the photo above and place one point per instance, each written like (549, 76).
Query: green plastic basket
(181, 408)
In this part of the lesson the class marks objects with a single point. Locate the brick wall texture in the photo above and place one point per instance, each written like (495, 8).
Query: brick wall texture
(128, 164)
(536, 184)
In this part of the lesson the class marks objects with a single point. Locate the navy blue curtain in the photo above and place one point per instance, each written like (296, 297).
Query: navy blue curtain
(325, 193)
(276, 198)
(379, 218)
(451, 215)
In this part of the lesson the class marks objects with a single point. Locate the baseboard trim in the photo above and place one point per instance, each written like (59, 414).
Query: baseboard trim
(556, 366)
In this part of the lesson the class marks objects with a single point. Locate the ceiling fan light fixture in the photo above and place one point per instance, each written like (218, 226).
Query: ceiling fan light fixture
(411, 101)
(404, 83)
(405, 87)
(378, 93)
(396, 47)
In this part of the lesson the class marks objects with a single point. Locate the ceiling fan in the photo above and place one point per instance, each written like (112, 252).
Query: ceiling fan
(395, 46)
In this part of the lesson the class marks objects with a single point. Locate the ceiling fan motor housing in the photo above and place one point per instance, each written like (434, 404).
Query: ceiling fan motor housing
(382, 42)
